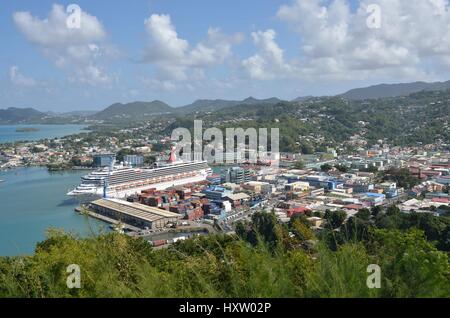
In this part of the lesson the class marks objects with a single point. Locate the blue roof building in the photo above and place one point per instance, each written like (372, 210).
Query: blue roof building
(216, 193)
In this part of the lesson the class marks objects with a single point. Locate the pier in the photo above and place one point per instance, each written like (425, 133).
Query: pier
(86, 211)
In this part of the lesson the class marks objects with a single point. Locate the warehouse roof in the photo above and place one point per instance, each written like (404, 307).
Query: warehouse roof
(136, 209)
(238, 196)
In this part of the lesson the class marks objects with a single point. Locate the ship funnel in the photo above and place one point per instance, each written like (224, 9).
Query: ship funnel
(172, 157)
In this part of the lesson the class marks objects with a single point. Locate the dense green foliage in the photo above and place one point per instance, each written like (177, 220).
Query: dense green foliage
(265, 259)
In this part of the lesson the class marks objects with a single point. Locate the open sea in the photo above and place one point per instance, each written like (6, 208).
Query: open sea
(8, 133)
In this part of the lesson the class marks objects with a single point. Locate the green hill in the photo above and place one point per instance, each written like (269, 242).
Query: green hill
(318, 123)
(133, 111)
(14, 115)
(207, 105)
(394, 90)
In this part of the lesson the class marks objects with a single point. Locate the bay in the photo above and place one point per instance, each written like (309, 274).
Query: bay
(33, 200)
(9, 133)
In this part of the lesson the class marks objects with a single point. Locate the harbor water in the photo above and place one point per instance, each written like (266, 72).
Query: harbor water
(12, 133)
(33, 200)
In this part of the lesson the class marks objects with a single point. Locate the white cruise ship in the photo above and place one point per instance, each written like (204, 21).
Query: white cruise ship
(121, 181)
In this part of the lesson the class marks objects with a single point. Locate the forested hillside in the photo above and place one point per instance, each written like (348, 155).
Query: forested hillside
(20, 115)
(394, 90)
(317, 123)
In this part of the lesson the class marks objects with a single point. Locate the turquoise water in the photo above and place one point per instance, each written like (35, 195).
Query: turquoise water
(33, 200)
(8, 133)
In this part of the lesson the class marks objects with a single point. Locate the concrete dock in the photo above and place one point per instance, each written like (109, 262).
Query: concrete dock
(106, 219)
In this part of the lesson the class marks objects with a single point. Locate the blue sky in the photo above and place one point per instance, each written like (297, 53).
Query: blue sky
(179, 51)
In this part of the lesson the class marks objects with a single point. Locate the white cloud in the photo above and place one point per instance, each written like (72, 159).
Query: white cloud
(92, 75)
(214, 50)
(414, 35)
(268, 62)
(159, 84)
(53, 31)
(173, 57)
(166, 45)
(17, 78)
(76, 50)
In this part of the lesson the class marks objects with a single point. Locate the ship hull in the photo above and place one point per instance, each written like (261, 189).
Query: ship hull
(158, 186)
(85, 197)
(120, 194)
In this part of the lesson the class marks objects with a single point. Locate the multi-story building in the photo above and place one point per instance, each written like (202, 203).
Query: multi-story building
(297, 186)
(236, 175)
(134, 160)
(258, 187)
(216, 193)
(104, 160)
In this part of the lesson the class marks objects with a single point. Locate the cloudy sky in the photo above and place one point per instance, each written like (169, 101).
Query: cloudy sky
(179, 51)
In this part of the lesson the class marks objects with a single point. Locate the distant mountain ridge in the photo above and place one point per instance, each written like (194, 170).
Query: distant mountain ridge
(208, 105)
(133, 110)
(141, 110)
(394, 90)
(302, 98)
(130, 111)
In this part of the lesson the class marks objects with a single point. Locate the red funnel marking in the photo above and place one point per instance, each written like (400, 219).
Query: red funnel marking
(172, 157)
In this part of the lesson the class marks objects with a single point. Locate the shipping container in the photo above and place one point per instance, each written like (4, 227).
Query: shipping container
(157, 243)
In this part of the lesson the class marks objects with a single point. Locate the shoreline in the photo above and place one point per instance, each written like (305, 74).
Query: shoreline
(44, 166)
(8, 164)
(84, 129)
(39, 124)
